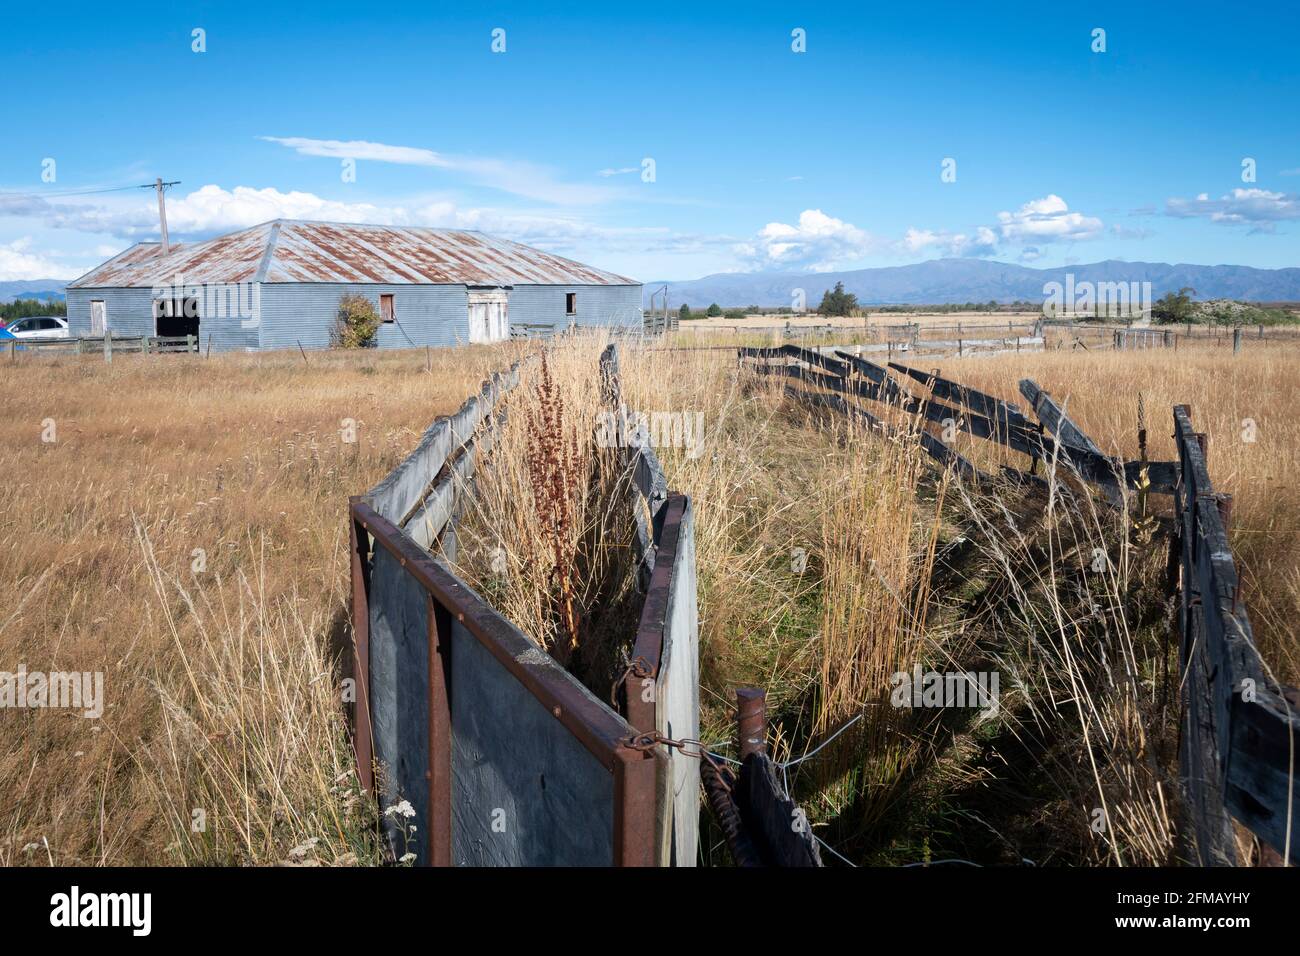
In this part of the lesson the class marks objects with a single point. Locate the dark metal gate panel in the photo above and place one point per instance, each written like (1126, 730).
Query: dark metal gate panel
(525, 791)
(399, 696)
(468, 716)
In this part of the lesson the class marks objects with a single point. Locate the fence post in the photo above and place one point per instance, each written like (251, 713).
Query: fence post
(108, 344)
(1236, 340)
(751, 720)
(439, 731)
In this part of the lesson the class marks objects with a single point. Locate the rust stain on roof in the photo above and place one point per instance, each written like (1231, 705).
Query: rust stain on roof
(296, 251)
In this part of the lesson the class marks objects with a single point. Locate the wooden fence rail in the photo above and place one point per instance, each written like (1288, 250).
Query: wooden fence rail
(1006, 426)
(1239, 727)
(1238, 736)
(145, 344)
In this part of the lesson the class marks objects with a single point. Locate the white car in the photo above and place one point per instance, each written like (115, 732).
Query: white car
(39, 327)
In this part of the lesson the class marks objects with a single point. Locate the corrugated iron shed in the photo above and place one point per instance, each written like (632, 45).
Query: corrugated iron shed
(308, 252)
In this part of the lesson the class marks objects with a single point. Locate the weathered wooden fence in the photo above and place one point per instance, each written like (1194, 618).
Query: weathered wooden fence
(107, 345)
(1239, 727)
(501, 755)
(957, 407)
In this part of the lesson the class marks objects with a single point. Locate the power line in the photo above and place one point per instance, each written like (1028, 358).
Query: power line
(82, 192)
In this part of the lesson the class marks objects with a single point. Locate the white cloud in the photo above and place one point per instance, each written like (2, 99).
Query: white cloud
(622, 171)
(818, 243)
(17, 263)
(1047, 220)
(519, 178)
(361, 149)
(983, 243)
(1239, 206)
(1126, 232)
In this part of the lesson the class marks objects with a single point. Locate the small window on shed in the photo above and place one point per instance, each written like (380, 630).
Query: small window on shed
(570, 303)
(386, 308)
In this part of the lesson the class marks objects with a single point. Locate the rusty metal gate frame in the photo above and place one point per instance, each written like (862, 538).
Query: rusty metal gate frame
(648, 648)
(601, 731)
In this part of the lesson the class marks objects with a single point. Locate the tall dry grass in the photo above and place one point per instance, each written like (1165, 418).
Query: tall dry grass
(546, 535)
(184, 534)
(1248, 405)
(1070, 590)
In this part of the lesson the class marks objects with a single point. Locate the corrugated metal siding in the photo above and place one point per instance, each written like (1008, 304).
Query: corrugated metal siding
(231, 258)
(286, 251)
(597, 304)
(130, 312)
(426, 315)
(294, 313)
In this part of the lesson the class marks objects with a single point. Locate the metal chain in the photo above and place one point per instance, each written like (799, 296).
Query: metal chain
(647, 742)
(638, 667)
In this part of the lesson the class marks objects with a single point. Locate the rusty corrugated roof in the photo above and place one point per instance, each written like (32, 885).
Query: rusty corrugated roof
(296, 251)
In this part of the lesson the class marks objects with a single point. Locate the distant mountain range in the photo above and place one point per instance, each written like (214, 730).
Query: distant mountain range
(946, 281)
(936, 282)
(43, 289)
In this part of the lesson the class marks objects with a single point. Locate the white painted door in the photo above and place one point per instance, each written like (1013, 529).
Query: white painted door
(489, 320)
(98, 317)
(500, 322)
(479, 330)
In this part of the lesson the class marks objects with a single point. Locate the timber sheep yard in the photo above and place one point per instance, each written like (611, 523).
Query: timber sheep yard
(1027, 602)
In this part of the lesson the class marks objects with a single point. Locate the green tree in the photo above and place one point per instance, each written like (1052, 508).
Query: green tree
(838, 302)
(22, 308)
(684, 313)
(714, 310)
(1174, 307)
(357, 324)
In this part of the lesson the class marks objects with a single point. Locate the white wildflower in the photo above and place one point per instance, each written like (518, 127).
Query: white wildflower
(404, 808)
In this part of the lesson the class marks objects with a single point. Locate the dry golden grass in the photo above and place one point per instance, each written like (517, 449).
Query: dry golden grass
(1248, 405)
(221, 690)
(546, 534)
(222, 686)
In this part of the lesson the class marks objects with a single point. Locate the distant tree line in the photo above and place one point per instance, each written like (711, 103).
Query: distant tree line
(22, 308)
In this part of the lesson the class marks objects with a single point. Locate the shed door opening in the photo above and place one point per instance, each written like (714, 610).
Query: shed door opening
(98, 316)
(386, 307)
(570, 303)
(176, 317)
(489, 320)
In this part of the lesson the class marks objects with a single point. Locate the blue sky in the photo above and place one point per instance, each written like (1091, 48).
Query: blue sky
(763, 158)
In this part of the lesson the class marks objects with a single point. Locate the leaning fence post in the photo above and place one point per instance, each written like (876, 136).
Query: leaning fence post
(751, 720)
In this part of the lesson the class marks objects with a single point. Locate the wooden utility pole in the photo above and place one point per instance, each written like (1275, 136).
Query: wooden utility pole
(159, 186)
(162, 214)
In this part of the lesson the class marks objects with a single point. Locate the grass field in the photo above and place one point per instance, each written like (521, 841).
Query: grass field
(183, 533)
